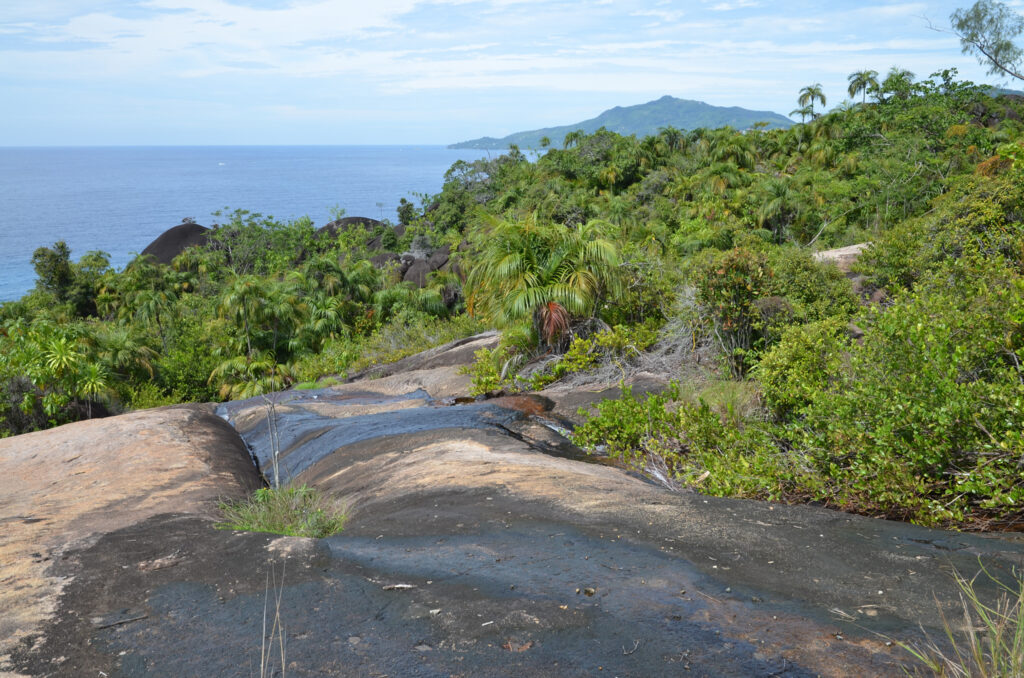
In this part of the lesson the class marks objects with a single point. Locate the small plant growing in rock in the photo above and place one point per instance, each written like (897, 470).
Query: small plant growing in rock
(293, 511)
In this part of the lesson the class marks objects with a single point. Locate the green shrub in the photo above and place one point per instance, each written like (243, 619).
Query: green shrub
(748, 298)
(728, 285)
(723, 457)
(147, 395)
(730, 458)
(982, 217)
(802, 365)
(402, 336)
(734, 401)
(619, 343)
(335, 358)
(409, 334)
(625, 425)
(813, 290)
(493, 370)
(924, 421)
(293, 511)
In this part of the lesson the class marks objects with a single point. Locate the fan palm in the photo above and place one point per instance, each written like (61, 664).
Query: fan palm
(543, 273)
(672, 137)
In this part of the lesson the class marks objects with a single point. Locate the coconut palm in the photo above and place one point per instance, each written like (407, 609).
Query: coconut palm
(810, 94)
(862, 82)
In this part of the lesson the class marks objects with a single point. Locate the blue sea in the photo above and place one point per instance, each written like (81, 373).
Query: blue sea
(118, 199)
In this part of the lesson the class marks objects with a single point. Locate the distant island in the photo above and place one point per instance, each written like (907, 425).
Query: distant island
(641, 120)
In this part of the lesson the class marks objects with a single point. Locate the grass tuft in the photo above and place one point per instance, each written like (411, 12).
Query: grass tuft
(293, 511)
(991, 642)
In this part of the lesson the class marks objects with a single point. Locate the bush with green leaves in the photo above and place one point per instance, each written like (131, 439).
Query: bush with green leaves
(616, 344)
(748, 296)
(981, 217)
(728, 287)
(701, 449)
(925, 419)
(50, 374)
(493, 369)
(812, 290)
(803, 364)
(623, 427)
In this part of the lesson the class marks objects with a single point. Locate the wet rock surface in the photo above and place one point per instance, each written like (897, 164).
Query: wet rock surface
(480, 543)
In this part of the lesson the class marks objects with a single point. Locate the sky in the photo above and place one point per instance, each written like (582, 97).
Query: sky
(213, 72)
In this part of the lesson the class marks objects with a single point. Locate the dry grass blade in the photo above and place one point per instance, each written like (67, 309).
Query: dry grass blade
(991, 641)
(276, 634)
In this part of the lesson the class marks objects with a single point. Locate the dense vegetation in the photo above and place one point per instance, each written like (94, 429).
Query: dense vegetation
(611, 248)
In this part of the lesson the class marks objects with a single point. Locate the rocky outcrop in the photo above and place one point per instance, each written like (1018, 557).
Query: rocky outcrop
(493, 518)
(480, 543)
(176, 240)
(843, 257)
(442, 363)
(65, 488)
(417, 272)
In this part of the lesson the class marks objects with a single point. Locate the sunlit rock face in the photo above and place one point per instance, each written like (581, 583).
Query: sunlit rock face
(480, 542)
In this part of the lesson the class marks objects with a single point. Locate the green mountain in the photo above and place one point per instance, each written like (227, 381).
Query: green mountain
(641, 120)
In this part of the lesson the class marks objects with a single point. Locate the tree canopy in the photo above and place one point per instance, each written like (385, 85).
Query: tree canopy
(987, 30)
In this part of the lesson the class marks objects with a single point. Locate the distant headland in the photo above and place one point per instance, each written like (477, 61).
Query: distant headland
(641, 120)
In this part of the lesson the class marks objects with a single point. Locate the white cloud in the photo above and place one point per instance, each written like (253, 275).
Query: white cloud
(327, 56)
(736, 4)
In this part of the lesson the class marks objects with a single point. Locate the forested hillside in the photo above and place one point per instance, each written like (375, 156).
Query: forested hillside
(642, 120)
(897, 393)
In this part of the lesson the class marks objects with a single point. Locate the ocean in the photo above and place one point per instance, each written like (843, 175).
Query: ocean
(118, 199)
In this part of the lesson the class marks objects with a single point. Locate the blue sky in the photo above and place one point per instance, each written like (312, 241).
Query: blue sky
(112, 72)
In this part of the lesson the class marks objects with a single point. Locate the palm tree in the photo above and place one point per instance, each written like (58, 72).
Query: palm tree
(543, 273)
(778, 207)
(574, 138)
(242, 301)
(862, 81)
(720, 177)
(118, 349)
(810, 94)
(148, 305)
(246, 376)
(390, 301)
(803, 112)
(898, 82)
(737, 149)
(92, 382)
(672, 137)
